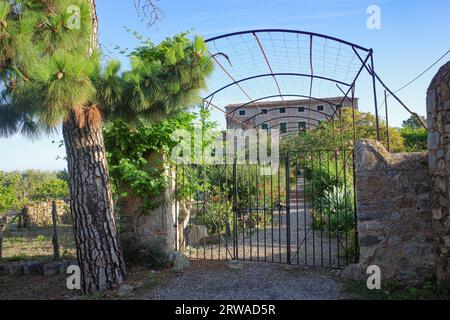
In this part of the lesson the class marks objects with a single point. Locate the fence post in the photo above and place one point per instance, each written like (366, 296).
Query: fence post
(235, 212)
(55, 232)
(3, 222)
(288, 211)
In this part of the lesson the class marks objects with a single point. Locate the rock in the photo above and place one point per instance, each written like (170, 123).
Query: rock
(352, 272)
(3, 269)
(63, 266)
(16, 270)
(125, 290)
(235, 265)
(196, 234)
(51, 268)
(180, 263)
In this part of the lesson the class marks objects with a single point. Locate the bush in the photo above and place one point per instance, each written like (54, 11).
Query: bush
(415, 139)
(149, 255)
(334, 211)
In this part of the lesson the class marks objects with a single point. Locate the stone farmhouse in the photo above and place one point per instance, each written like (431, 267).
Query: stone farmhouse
(288, 116)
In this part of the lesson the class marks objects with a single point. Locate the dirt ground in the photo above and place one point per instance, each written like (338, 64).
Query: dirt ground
(204, 280)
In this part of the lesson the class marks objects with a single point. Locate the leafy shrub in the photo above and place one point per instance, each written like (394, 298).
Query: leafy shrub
(149, 255)
(415, 139)
(334, 211)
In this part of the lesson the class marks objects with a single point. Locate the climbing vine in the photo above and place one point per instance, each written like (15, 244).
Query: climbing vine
(130, 147)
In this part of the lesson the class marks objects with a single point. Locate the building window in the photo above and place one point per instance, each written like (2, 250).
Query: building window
(302, 126)
(264, 111)
(282, 110)
(242, 112)
(320, 108)
(301, 109)
(283, 127)
(265, 126)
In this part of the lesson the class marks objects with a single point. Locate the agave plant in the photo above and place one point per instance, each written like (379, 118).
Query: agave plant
(334, 211)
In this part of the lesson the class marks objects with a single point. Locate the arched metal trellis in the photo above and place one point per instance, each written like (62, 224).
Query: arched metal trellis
(304, 212)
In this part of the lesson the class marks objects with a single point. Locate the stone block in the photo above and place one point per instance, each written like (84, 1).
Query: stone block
(51, 268)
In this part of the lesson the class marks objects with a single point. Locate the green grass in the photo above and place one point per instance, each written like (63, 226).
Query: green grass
(35, 244)
(429, 290)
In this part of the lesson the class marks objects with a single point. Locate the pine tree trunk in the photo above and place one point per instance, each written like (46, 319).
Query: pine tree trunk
(98, 252)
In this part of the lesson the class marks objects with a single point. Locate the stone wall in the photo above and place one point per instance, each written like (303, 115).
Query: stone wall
(143, 233)
(394, 214)
(40, 214)
(438, 109)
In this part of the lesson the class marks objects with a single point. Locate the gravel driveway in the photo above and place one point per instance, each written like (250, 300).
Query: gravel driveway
(248, 281)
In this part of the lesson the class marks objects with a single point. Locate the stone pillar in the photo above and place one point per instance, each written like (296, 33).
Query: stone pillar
(438, 112)
(149, 237)
(394, 214)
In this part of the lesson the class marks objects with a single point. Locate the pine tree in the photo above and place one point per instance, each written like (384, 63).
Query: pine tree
(52, 76)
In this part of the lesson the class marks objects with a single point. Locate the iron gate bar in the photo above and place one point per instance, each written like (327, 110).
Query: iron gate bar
(288, 210)
(204, 209)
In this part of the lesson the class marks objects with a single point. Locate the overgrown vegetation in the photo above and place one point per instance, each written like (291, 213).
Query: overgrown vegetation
(17, 189)
(429, 290)
(414, 135)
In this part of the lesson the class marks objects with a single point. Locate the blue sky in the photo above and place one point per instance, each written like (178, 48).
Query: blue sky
(414, 33)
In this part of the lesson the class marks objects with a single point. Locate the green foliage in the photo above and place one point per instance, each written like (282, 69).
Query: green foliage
(49, 70)
(45, 69)
(17, 189)
(136, 155)
(51, 189)
(392, 290)
(416, 140)
(334, 211)
(337, 134)
(413, 123)
(149, 255)
(8, 198)
(414, 135)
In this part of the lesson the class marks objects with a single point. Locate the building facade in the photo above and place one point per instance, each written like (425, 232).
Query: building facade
(288, 116)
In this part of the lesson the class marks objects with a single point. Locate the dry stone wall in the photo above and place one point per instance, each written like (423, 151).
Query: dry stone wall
(438, 109)
(394, 214)
(40, 214)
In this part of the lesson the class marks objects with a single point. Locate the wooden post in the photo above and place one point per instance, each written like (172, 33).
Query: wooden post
(3, 222)
(55, 232)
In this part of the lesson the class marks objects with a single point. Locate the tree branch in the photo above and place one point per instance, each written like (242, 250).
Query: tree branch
(148, 11)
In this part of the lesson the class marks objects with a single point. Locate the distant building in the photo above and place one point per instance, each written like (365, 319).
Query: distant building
(288, 116)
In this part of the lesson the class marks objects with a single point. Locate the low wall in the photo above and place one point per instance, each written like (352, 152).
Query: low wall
(394, 214)
(40, 214)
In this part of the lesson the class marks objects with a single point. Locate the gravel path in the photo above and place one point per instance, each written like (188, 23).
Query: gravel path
(308, 247)
(248, 281)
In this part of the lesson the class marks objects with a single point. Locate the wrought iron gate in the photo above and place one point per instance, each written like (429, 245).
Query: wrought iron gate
(303, 213)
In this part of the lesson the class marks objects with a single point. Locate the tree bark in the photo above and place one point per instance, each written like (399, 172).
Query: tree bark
(92, 208)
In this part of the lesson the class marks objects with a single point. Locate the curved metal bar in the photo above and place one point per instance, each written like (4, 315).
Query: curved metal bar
(285, 117)
(319, 35)
(315, 126)
(329, 117)
(284, 95)
(276, 74)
